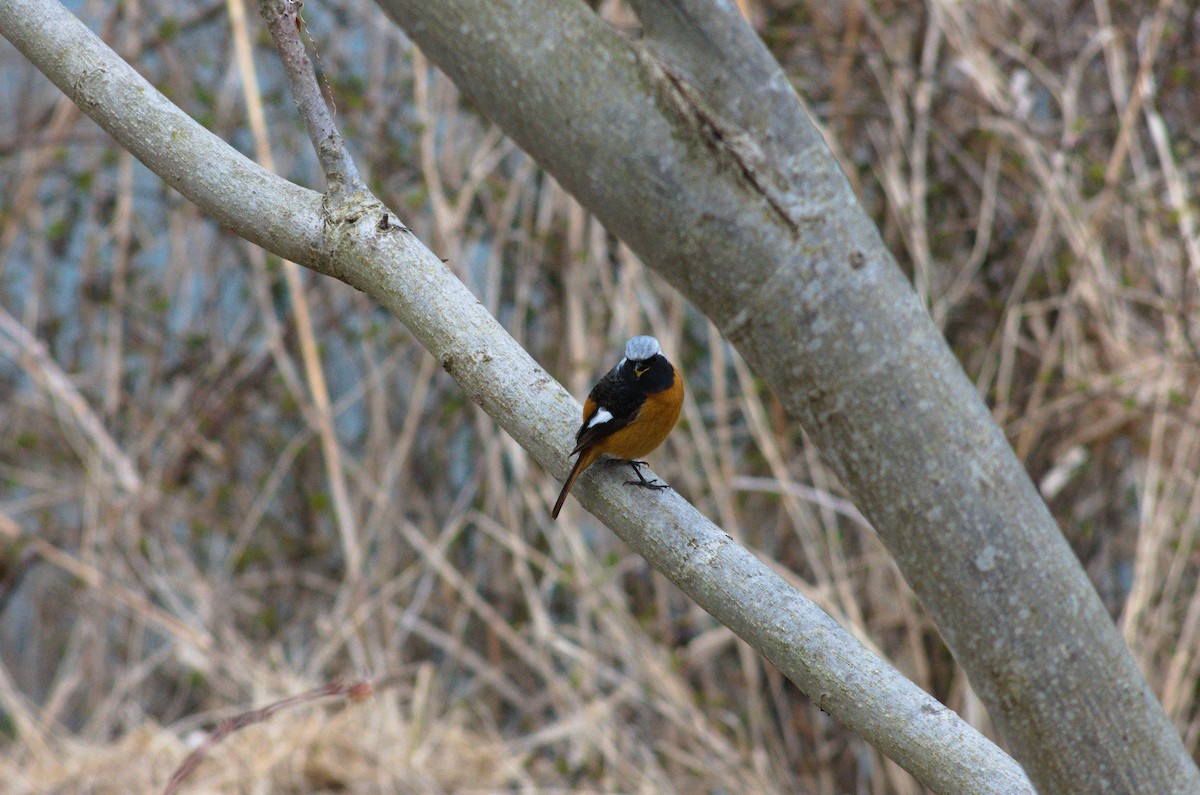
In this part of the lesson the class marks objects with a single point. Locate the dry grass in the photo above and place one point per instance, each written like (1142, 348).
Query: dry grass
(172, 553)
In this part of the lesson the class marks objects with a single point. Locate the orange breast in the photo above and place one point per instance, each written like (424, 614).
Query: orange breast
(655, 420)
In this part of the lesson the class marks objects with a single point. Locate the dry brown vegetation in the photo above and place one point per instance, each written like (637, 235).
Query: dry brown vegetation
(177, 511)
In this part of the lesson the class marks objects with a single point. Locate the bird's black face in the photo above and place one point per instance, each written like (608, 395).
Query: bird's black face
(648, 375)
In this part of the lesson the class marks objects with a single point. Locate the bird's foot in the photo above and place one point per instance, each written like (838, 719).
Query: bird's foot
(653, 485)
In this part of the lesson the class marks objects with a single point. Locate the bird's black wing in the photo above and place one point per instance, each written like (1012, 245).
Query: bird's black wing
(613, 394)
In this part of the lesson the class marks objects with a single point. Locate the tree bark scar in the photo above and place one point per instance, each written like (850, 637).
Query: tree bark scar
(80, 94)
(730, 143)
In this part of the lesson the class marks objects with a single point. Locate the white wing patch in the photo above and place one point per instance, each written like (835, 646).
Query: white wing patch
(601, 416)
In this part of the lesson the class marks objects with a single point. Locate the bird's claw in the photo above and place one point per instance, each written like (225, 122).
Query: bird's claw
(653, 485)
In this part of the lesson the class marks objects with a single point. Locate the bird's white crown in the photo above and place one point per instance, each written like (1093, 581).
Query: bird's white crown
(639, 349)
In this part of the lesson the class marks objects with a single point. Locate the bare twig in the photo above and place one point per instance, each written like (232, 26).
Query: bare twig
(353, 691)
(283, 20)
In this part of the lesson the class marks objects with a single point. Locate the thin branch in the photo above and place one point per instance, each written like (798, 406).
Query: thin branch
(283, 20)
(353, 691)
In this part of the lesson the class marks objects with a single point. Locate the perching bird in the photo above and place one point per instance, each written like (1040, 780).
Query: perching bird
(628, 413)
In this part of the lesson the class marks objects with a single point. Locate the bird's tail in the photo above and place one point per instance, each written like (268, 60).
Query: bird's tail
(585, 460)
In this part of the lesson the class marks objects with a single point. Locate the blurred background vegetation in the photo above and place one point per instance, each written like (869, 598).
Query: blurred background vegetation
(170, 547)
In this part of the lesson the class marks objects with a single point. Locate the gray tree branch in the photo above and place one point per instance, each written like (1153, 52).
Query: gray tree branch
(364, 245)
(692, 147)
(283, 21)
